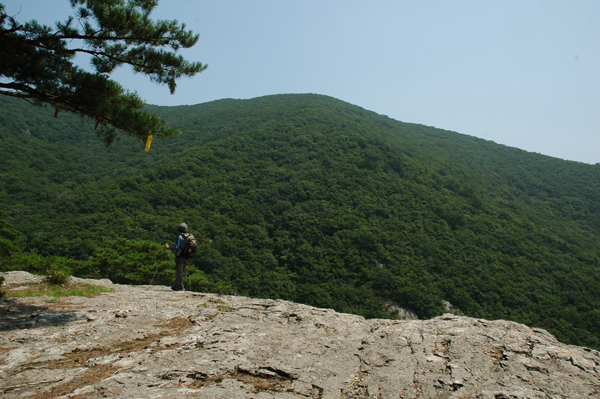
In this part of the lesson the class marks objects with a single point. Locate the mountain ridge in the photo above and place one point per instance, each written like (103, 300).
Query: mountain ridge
(311, 199)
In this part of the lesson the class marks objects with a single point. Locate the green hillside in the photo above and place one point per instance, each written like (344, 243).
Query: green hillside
(308, 198)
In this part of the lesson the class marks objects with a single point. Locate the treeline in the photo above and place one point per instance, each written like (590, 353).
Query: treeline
(310, 199)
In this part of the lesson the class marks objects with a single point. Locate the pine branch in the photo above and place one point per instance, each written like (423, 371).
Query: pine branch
(36, 60)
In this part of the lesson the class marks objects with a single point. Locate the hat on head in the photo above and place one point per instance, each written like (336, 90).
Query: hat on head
(182, 228)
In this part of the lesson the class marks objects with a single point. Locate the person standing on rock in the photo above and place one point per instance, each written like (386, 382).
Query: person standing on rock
(184, 250)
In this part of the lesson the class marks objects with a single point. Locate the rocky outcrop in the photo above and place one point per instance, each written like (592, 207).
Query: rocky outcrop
(148, 341)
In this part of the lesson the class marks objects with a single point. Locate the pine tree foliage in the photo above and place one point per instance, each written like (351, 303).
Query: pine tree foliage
(36, 62)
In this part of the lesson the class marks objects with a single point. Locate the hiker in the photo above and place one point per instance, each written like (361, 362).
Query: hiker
(184, 250)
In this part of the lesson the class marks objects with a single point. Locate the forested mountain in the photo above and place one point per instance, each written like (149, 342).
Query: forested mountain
(308, 198)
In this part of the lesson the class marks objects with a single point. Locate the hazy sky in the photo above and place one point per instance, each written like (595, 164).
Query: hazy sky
(524, 73)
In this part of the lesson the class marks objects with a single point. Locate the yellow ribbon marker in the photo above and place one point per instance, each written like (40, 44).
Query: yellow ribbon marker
(148, 141)
(57, 109)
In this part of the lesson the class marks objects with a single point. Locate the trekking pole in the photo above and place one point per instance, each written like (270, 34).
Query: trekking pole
(151, 281)
(157, 264)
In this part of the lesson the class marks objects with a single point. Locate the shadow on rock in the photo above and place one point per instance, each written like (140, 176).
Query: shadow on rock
(18, 316)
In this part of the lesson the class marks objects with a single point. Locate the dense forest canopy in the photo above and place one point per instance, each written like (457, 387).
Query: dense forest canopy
(308, 198)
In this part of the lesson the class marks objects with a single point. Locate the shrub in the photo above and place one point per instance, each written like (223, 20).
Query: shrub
(224, 289)
(34, 263)
(56, 277)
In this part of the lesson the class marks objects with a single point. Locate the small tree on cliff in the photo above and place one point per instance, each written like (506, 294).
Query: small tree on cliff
(36, 62)
(8, 238)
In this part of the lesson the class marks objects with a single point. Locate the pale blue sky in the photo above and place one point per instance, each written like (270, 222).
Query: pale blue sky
(524, 73)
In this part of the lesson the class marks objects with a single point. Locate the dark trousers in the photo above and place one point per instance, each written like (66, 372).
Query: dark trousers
(180, 264)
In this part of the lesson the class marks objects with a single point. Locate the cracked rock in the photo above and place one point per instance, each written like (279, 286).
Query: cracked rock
(175, 344)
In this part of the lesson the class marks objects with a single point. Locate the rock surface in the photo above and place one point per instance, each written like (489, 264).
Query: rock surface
(151, 342)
